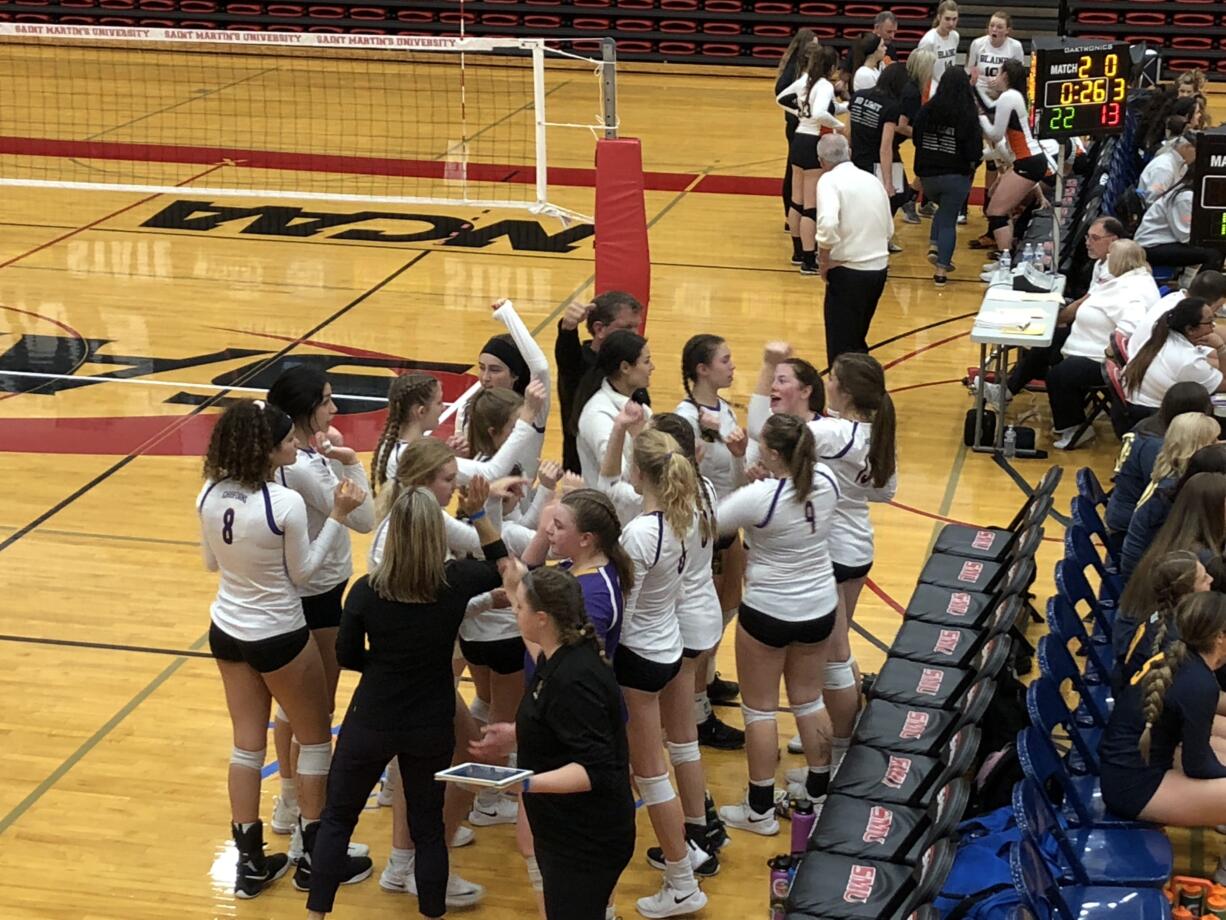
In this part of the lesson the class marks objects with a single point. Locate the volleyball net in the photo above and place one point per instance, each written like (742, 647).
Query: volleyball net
(378, 118)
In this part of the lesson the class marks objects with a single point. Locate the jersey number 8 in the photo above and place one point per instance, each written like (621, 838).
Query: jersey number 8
(227, 526)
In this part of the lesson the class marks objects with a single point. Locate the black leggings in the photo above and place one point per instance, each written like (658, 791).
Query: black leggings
(361, 755)
(789, 129)
(1181, 254)
(577, 893)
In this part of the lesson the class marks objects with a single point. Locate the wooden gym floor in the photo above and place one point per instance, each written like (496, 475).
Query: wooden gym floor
(114, 733)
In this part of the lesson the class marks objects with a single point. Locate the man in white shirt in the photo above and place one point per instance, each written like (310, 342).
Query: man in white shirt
(854, 227)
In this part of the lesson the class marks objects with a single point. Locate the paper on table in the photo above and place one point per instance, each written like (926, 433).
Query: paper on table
(1005, 317)
(1029, 329)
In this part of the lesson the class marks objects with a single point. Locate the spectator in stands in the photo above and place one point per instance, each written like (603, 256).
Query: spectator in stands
(868, 52)
(1188, 434)
(607, 313)
(1119, 303)
(1183, 346)
(947, 153)
(1168, 166)
(853, 234)
(1152, 118)
(1199, 120)
(1134, 466)
(785, 76)
(1209, 286)
(1190, 516)
(873, 119)
(1189, 84)
(1166, 229)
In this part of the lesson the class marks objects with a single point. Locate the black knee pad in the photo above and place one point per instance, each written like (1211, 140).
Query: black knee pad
(810, 213)
(995, 223)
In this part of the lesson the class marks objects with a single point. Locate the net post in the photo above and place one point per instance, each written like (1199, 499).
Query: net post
(538, 106)
(608, 86)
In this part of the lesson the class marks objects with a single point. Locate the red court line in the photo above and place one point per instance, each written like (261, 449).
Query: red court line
(519, 174)
(923, 348)
(889, 601)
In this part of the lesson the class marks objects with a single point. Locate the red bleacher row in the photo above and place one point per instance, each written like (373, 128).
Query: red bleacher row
(756, 31)
(1189, 31)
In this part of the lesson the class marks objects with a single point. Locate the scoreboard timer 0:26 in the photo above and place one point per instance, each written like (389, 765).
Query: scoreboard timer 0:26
(1078, 87)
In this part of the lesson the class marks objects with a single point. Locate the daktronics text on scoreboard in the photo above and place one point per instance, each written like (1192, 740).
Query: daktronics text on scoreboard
(1078, 87)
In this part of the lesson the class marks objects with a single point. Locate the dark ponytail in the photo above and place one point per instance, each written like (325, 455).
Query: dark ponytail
(793, 440)
(808, 376)
(1180, 318)
(862, 378)
(298, 392)
(619, 346)
(557, 593)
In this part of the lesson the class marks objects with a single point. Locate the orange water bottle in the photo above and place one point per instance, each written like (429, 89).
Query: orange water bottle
(1215, 906)
(1182, 913)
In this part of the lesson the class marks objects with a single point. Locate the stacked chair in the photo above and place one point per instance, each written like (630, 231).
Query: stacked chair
(1075, 859)
(882, 845)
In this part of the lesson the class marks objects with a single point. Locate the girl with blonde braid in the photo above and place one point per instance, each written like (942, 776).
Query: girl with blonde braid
(1171, 705)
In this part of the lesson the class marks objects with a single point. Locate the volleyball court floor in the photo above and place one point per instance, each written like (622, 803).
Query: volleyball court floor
(139, 308)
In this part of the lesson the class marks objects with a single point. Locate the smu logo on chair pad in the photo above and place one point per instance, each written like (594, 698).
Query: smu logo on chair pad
(947, 642)
(970, 572)
(930, 681)
(880, 821)
(897, 769)
(860, 884)
(959, 604)
(983, 540)
(915, 725)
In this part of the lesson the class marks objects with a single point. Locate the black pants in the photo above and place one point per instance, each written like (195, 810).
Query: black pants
(577, 892)
(361, 755)
(789, 128)
(1034, 362)
(1182, 254)
(851, 301)
(1068, 383)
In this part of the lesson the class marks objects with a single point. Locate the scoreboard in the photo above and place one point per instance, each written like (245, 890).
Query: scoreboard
(1078, 87)
(1209, 190)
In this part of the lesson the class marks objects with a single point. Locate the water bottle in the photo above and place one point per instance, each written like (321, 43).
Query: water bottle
(1010, 452)
(1028, 255)
(803, 819)
(1004, 274)
(781, 885)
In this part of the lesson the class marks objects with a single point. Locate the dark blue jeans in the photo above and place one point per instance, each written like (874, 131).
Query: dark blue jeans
(949, 194)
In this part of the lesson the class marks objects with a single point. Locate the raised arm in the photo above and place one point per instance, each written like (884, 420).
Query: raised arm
(538, 364)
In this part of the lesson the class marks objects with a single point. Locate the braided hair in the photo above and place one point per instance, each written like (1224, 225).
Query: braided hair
(242, 440)
(594, 513)
(1201, 619)
(683, 433)
(406, 393)
(700, 349)
(1174, 578)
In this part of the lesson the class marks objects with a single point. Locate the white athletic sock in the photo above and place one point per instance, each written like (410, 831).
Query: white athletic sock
(838, 750)
(680, 874)
(610, 913)
(702, 707)
(401, 857)
(289, 791)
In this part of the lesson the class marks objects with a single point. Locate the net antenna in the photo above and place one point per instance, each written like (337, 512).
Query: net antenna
(396, 119)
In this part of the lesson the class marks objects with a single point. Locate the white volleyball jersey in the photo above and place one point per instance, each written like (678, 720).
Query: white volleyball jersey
(718, 464)
(650, 628)
(946, 50)
(698, 611)
(843, 446)
(257, 539)
(314, 477)
(788, 573)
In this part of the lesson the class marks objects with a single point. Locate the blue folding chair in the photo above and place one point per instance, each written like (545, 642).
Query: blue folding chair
(1071, 583)
(1063, 622)
(1093, 856)
(1040, 892)
(1089, 486)
(1094, 700)
(1084, 512)
(1048, 710)
(1081, 551)
(1081, 797)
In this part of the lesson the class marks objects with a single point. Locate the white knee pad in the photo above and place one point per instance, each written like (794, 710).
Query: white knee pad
(655, 790)
(249, 760)
(280, 715)
(534, 874)
(479, 709)
(686, 752)
(811, 708)
(840, 675)
(314, 759)
(755, 715)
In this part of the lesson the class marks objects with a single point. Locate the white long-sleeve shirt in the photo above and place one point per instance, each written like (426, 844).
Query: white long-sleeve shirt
(818, 112)
(1161, 174)
(1118, 303)
(595, 427)
(717, 464)
(1167, 220)
(650, 627)
(788, 575)
(258, 539)
(314, 477)
(534, 358)
(843, 446)
(853, 218)
(989, 59)
(946, 50)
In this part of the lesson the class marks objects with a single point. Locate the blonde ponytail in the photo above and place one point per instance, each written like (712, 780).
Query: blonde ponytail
(671, 476)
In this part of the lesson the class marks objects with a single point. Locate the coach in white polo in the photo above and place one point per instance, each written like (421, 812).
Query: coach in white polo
(854, 226)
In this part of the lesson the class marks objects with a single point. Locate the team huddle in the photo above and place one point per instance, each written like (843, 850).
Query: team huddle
(585, 598)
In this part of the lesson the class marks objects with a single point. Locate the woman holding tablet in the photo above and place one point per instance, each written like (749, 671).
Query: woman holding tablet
(398, 629)
(570, 733)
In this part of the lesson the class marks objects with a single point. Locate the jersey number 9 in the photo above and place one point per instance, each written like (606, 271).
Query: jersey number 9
(811, 517)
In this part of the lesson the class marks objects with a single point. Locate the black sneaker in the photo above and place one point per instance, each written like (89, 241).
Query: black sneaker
(256, 870)
(357, 868)
(706, 869)
(716, 837)
(722, 691)
(715, 734)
